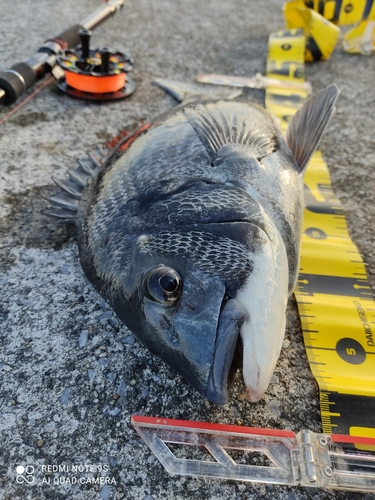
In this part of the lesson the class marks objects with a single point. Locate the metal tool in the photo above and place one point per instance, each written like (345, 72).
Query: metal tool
(256, 82)
(20, 77)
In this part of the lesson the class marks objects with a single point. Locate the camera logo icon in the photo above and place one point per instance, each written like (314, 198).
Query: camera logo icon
(25, 474)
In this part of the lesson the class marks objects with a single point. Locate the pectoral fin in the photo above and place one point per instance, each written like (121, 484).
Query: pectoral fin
(306, 127)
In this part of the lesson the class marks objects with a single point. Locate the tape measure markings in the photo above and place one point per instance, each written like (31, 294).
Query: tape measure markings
(343, 12)
(333, 349)
(321, 35)
(319, 20)
(369, 11)
(334, 297)
(350, 12)
(336, 13)
(332, 276)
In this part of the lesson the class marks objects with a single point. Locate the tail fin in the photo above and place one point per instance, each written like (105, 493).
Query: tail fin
(306, 127)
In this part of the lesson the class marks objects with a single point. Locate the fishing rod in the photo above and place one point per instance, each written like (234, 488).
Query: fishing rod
(20, 77)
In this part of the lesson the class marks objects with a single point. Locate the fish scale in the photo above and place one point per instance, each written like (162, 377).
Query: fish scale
(197, 203)
(211, 253)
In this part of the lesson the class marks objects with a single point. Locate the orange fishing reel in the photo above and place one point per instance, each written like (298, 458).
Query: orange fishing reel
(99, 74)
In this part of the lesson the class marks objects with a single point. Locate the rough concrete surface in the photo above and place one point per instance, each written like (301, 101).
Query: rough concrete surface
(71, 374)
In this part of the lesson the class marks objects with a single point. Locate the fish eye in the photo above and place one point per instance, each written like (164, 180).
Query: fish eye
(163, 284)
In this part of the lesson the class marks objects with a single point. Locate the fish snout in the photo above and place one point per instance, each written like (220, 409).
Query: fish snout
(227, 351)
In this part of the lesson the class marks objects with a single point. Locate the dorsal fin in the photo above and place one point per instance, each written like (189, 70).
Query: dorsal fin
(306, 127)
(218, 127)
(66, 202)
(69, 186)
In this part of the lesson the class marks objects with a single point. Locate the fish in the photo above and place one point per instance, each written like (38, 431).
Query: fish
(190, 229)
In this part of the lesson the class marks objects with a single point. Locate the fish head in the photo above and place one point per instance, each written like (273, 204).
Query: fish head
(180, 312)
(208, 304)
(173, 305)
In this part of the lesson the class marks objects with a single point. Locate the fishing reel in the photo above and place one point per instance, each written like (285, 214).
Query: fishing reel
(99, 74)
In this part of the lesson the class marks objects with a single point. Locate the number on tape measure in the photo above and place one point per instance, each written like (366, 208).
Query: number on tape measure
(335, 300)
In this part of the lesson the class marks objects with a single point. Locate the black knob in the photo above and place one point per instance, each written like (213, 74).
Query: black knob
(85, 36)
(105, 55)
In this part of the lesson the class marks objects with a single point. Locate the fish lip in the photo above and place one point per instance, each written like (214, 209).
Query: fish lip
(231, 319)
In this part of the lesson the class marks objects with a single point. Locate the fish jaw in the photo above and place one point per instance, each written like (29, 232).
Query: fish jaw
(232, 317)
(257, 316)
(264, 296)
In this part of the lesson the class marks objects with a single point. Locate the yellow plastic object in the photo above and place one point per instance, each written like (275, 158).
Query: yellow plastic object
(318, 17)
(321, 35)
(365, 432)
(285, 62)
(361, 39)
(334, 297)
(335, 300)
(341, 12)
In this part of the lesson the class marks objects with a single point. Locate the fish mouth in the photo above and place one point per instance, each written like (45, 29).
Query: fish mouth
(228, 351)
(252, 322)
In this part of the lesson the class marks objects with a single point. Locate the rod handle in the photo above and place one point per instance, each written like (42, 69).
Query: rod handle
(69, 38)
(15, 81)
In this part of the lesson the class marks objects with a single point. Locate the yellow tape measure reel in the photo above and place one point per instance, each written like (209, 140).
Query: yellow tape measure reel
(334, 298)
(318, 19)
(321, 35)
(340, 12)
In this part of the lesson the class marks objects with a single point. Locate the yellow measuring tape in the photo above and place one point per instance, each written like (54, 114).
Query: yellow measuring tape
(334, 298)
(319, 20)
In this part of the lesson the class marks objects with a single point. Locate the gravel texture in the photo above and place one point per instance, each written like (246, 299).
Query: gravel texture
(71, 374)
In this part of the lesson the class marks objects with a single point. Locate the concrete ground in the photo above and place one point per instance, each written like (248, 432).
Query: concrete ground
(71, 374)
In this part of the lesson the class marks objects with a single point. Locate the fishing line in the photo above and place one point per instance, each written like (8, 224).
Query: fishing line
(27, 99)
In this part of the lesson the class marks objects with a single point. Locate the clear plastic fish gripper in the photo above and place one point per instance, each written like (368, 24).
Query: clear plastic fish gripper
(260, 455)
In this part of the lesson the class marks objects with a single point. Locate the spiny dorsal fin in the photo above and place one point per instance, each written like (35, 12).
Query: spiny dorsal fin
(64, 216)
(306, 127)
(218, 127)
(78, 177)
(69, 186)
(66, 201)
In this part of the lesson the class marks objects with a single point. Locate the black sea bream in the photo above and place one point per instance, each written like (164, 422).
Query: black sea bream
(192, 235)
